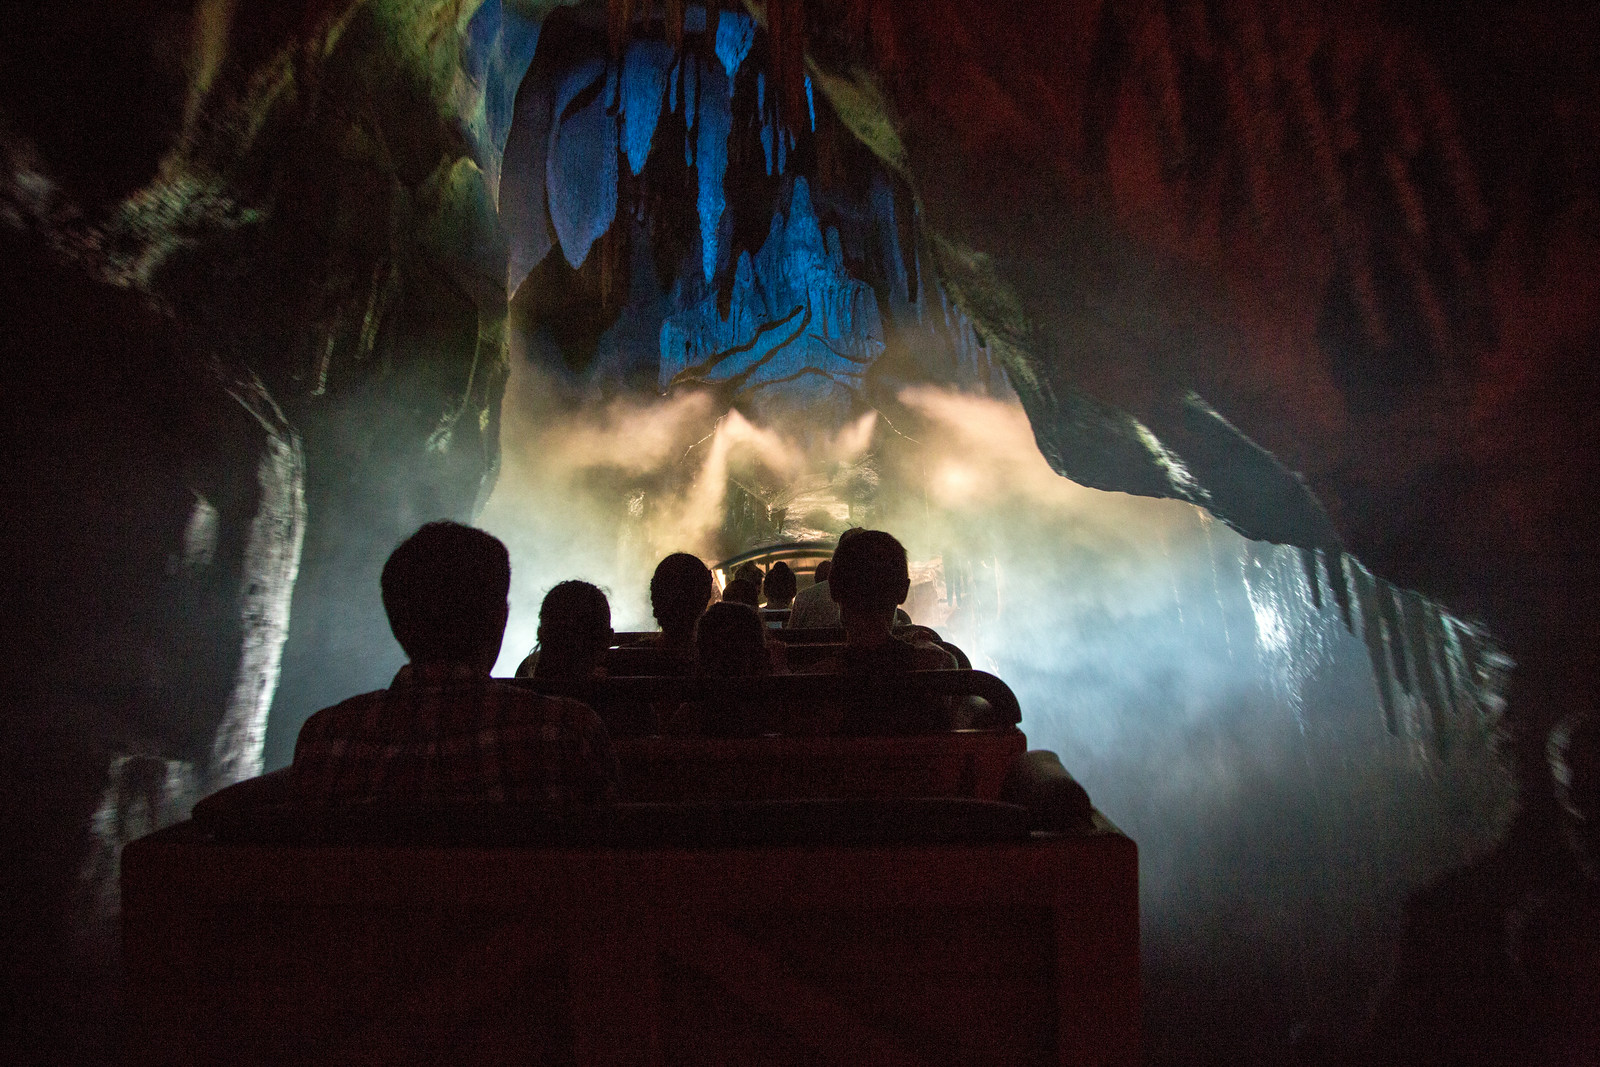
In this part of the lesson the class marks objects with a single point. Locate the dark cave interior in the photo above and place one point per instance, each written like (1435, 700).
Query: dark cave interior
(284, 281)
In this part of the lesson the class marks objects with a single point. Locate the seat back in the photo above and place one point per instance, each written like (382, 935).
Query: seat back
(970, 764)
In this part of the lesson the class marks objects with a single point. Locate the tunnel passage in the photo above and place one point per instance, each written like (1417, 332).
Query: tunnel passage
(330, 219)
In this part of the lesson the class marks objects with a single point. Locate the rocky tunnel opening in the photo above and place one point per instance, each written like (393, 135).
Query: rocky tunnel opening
(716, 276)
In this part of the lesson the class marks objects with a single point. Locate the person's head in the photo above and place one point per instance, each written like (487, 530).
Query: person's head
(821, 574)
(731, 642)
(750, 573)
(870, 576)
(444, 590)
(742, 591)
(779, 585)
(574, 631)
(679, 592)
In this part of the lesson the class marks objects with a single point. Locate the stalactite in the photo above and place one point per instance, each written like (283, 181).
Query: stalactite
(1341, 585)
(1414, 612)
(883, 41)
(1308, 563)
(673, 18)
(1249, 36)
(1347, 234)
(619, 19)
(1445, 134)
(1194, 29)
(645, 73)
(736, 34)
(1405, 195)
(581, 172)
(1367, 590)
(1440, 653)
(1242, 115)
(711, 163)
(1152, 42)
(691, 90)
(1389, 617)
(1404, 128)
(1435, 322)
(1292, 77)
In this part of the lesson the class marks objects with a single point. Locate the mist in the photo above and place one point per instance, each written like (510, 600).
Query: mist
(1185, 675)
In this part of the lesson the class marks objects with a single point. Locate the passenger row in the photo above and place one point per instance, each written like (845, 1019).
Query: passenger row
(445, 729)
(729, 639)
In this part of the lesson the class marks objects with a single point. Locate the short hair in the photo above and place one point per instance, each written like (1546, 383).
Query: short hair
(574, 618)
(820, 575)
(870, 572)
(731, 641)
(780, 584)
(679, 591)
(742, 591)
(750, 571)
(444, 590)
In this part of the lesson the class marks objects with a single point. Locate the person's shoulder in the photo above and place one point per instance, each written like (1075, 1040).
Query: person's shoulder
(926, 656)
(343, 716)
(526, 704)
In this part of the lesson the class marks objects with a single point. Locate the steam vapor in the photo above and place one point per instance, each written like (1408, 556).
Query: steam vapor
(1184, 674)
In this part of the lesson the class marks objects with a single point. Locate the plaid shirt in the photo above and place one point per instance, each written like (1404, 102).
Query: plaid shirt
(449, 732)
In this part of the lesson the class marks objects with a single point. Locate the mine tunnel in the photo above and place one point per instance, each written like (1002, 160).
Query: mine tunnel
(1227, 369)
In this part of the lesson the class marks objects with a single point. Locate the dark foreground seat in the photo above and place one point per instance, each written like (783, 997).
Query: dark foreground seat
(708, 944)
(884, 900)
(261, 818)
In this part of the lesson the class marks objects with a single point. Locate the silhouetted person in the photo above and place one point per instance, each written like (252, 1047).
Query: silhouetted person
(869, 579)
(1499, 962)
(1556, 945)
(742, 591)
(680, 589)
(732, 643)
(813, 607)
(574, 637)
(444, 730)
(574, 633)
(779, 587)
(750, 572)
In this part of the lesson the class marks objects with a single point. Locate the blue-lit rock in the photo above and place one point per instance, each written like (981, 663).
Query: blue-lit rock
(736, 33)
(581, 172)
(711, 161)
(645, 73)
(798, 267)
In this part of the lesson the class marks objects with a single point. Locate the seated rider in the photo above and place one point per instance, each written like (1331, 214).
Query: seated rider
(445, 730)
(732, 644)
(779, 587)
(742, 591)
(813, 607)
(574, 633)
(869, 579)
(680, 589)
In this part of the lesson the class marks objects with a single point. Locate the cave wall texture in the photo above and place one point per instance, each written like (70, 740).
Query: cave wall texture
(1339, 261)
